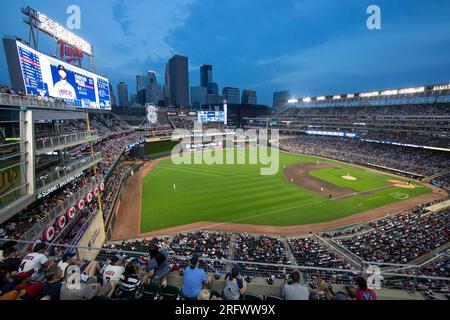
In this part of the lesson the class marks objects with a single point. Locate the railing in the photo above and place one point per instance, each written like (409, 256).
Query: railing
(65, 173)
(54, 143)
(40, 226)
(30, 101)
(390, 278)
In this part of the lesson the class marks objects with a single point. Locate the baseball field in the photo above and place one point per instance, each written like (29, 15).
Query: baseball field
(305, 190)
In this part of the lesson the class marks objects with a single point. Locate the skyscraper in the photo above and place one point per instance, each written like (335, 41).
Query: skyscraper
(232, 95)
(112, 96)
(154, 93)
(198, 96)
(179, 81)
(152, 76)
(143, 82)
(249, 97)
(205, 75)
(122, 92)
(166, 89)
(280, 98)
(213, 88)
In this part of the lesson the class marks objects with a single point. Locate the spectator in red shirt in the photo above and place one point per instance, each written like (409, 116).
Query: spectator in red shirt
(28, 291)
(363, 292)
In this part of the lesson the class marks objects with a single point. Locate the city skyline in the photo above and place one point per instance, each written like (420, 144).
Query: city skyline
(318, 48)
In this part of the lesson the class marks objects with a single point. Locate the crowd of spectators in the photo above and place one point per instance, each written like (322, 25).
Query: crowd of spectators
(310, 253)
(423, 125)
(263, 249)
(210, 245)
(401, 238)
(38, 275)
(188, 124)
(411, 138)
(417, 161)
(110, 148)
(370, 111)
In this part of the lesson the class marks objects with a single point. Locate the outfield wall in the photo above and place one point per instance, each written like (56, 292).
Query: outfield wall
(94, 236)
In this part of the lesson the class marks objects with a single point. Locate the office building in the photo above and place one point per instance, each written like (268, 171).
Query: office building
(198, 96)
(122, 92)
(232, 95)
(249, 97)
(280, 98)
(205, 75)
(179, 81)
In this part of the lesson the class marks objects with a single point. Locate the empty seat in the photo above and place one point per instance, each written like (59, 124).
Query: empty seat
(169, 293)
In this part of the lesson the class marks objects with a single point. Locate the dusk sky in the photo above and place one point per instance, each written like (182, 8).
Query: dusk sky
(310, 47)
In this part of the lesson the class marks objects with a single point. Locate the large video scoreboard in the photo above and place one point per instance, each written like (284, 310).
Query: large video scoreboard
(45, 76)
(211, 116)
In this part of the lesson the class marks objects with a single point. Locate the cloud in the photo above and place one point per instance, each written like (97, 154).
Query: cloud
(121, 15)
(351, 59)
(138, 37)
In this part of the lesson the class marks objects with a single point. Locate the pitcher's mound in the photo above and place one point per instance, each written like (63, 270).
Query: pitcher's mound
(401, 184)
(349, 178)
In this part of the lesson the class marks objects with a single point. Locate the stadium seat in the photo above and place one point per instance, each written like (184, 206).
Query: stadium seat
(149, 291)
(252, 297)
(169, 293)
(128, 295)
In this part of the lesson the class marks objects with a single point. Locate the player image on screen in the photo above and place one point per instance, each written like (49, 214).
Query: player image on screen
(64, 89)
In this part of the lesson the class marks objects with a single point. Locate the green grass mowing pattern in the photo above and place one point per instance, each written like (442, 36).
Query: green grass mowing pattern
(239, 194)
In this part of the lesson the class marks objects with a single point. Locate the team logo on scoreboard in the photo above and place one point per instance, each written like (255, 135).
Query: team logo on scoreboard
(69, 53)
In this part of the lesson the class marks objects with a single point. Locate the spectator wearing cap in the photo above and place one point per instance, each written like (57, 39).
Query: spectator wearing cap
(363, 292)
(6, 245)
(68, 259)
(52, 286)
(158, 267)
(294, 291)
(235, 285)
(194, 278)
(10, 261)
(113, 272)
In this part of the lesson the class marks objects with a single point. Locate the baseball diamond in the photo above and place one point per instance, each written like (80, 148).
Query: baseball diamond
(247, 201)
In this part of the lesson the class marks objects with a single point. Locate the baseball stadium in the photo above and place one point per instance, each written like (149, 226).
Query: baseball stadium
(345, 195)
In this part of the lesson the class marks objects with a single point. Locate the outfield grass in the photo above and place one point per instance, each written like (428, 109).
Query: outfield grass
(239, 194)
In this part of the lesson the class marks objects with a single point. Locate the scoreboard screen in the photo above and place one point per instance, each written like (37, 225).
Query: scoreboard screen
(211, 116)
(48, 77)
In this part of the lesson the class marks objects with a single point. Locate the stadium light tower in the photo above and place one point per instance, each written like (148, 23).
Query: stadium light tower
(71, 47)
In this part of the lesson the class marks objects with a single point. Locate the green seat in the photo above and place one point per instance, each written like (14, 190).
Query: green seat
(149, 291)
(169, 293)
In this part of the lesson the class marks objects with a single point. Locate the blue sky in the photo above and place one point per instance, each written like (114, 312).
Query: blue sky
(310, 47)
